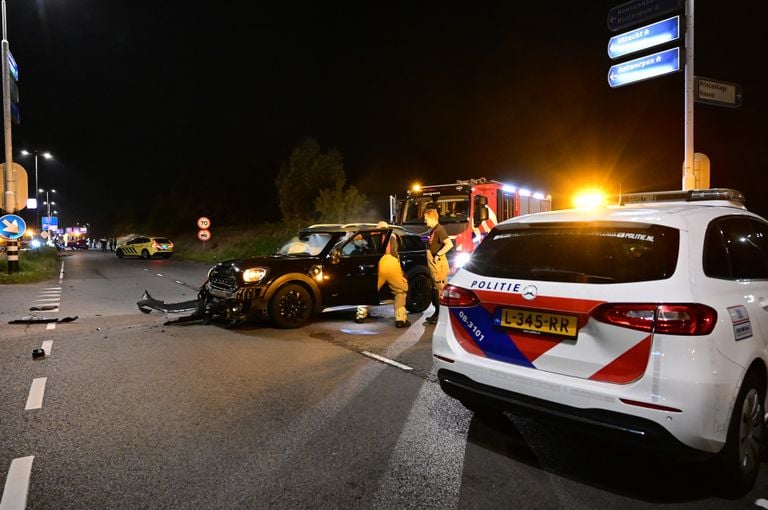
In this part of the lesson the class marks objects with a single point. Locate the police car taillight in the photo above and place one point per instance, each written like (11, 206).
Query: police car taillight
(458, 296)
(667, 319)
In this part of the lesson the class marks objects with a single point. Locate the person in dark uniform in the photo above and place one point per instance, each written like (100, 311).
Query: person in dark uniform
(439, 246)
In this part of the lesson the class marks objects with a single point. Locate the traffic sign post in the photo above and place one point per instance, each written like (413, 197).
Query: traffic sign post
(645, 37)
(636, 12)
(644, 68)
(12, 227)
(716, 92)
(203, 223)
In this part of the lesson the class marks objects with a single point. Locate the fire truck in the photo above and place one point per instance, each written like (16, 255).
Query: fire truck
(468, 210)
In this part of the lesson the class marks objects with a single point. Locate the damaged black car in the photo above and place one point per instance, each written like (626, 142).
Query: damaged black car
(322, 267)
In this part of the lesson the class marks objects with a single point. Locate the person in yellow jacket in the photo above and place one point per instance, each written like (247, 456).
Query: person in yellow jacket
(391, 273)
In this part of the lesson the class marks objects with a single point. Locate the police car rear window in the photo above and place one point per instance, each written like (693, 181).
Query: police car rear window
(577, 252)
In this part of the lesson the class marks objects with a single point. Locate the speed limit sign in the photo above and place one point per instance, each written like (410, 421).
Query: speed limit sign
(203, 234)
(203, 223)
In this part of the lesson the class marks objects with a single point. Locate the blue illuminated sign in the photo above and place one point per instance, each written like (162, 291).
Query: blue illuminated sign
(643, 68)
(13, 66)
(50, 222)
(644, 37)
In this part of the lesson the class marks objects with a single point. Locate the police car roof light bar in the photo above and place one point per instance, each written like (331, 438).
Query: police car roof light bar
(694, 195)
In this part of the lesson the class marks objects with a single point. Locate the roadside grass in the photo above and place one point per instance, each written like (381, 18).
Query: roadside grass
(233, 242)
(34, 266)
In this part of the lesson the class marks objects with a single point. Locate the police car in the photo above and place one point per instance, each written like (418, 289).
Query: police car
(645, 321)
(145, 247)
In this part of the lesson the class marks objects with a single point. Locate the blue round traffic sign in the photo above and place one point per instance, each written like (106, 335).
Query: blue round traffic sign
(12, 226)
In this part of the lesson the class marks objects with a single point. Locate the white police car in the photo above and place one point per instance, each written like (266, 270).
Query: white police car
(646, 321)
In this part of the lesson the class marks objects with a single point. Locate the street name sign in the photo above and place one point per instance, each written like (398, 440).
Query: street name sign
(636, 12)
(12, 227)
(644, 37)
(644, 68)
(716, 92)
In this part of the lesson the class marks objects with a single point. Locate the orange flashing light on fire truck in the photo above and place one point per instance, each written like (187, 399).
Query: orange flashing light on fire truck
(468, 210)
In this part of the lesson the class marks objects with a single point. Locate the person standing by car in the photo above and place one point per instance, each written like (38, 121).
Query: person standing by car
(439, 246)
(391, 273)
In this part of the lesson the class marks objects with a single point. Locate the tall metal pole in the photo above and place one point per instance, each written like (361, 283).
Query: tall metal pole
(10, 178)
(37, 204)
(689, 179)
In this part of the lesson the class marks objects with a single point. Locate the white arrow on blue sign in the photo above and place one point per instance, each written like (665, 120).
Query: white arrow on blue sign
(644, 37)
(12, 226)
(644, 68)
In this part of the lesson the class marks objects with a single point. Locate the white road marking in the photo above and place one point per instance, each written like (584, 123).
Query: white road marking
(48, 346)
(762, 503)
(51, 325)
(180, 283)
(49, 293)
(17, 484)
(53, 288)
(46, 300)
(158, 274)
(36, 392)
(386, 360)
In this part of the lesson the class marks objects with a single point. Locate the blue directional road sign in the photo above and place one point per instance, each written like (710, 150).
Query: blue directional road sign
(50, 222)
(643, 68)
(12, 226)
(644, 37)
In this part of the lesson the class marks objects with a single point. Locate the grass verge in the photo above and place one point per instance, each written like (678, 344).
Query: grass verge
(34, 266)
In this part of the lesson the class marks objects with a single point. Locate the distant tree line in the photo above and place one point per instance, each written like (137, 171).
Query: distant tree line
(311, 187)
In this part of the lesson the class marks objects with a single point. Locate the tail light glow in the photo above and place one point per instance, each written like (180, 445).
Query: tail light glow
(458, 296)
(668, 319)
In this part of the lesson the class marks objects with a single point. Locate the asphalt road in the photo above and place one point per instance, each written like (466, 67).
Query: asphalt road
(127, 412)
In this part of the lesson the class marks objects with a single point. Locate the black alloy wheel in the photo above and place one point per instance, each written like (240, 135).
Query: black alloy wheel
(419, 293)
(291, 306)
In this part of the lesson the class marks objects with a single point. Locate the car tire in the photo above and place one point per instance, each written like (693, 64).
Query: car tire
(739, 460)
(291, 306)
(419, 293)
(119, 254)
(144, 254)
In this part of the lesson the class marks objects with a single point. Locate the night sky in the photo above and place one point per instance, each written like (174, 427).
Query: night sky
(139, 101)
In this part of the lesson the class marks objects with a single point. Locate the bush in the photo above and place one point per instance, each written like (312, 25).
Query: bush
(233, 242)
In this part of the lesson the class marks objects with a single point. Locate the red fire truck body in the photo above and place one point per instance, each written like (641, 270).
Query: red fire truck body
(468, 210)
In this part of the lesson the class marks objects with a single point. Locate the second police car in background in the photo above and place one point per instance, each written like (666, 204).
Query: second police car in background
(646, 321)
(145, 247)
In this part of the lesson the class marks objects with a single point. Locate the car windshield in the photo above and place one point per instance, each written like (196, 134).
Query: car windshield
(577, 252)
(305, 244)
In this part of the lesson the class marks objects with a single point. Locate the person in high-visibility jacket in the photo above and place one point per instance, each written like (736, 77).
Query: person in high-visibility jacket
(391, 273)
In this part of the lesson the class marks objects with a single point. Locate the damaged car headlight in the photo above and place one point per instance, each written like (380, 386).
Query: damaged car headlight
(254, 274)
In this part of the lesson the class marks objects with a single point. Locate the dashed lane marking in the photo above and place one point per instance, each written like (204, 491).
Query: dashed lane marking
(17, 484)
(386, 360)
(48, 346)
(51, 325)
(36, 393)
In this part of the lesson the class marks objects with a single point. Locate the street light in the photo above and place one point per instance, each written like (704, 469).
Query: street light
(46, 155)
(47, 202)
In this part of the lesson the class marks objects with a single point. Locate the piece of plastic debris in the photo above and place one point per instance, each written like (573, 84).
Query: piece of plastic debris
(38, 353)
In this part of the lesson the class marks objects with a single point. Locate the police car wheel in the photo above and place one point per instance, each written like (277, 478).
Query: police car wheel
(740, 458)
(119, 254)
(144, 254)
(291, 306)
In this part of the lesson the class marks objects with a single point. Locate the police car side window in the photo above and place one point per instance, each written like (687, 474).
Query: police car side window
(737, 248)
